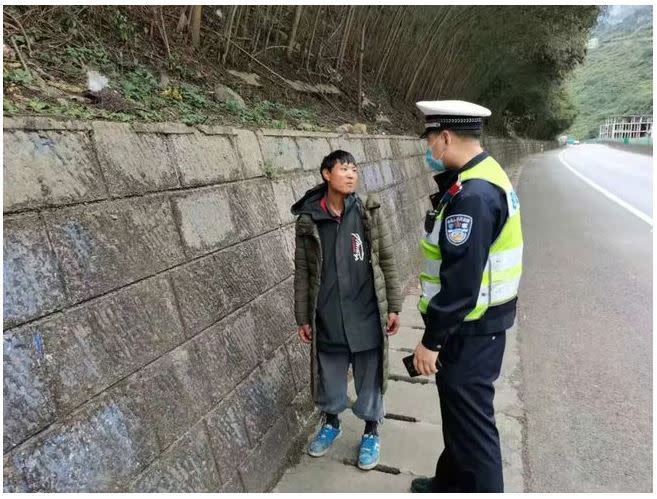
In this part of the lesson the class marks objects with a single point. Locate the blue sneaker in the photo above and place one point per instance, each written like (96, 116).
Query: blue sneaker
(368, 456)
(323, 440)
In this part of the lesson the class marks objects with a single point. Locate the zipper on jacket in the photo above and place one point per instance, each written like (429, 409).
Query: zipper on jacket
(319, 273)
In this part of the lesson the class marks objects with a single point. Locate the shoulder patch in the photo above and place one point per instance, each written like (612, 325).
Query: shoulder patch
(458, 228)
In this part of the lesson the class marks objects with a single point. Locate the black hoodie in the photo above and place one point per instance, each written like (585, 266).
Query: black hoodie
(347, 316)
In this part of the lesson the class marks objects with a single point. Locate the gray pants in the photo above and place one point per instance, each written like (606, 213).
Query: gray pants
(332, 393)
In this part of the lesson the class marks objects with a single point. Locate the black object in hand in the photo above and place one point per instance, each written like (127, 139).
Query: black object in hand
(430, 221)
(408, 362)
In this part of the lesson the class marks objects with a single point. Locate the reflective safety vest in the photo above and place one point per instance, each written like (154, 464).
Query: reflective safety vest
(501, 276)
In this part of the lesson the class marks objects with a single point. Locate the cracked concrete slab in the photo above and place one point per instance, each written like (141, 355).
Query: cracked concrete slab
(406, 338)
(325, 475)
(418, 401)
(410, 316)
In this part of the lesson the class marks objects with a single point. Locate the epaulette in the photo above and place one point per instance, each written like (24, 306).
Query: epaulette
(451, 192)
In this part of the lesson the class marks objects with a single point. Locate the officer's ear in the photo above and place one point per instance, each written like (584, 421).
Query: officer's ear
(448, 137)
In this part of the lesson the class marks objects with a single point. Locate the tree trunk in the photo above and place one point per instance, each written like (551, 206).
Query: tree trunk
(164, 32)
(345, 36)
(395, 34)
(448, 67)
(229, 29)
(360, 70)
(387, 44)
(356, 51)
(244, 23)
(428, 49)
(271, 25)
(293, 33)
(197, 12)
(312, 37)
(257, 30)
(182, 20)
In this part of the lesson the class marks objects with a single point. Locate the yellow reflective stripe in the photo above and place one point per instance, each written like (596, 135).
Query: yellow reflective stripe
(489, 170)
(508, 274)
(423, 304)
(476, 312)
(429, 277)
(429, 250)
(511, 235)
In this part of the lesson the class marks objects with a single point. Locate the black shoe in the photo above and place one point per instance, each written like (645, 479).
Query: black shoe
(422, 485)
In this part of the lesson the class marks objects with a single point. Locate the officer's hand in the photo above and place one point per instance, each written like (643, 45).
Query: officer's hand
(305, 333)
(393, 324)
(425, 360)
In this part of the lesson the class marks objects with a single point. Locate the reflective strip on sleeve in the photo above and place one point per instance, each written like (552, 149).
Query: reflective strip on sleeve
(432, 267)
(429, 250)
(430, 286)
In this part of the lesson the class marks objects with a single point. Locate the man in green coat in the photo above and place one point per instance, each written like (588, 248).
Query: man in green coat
(347, 300)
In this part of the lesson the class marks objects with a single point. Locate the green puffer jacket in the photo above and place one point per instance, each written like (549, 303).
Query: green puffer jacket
(308, 271)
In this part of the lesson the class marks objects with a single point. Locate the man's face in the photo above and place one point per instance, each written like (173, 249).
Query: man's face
(342, 178)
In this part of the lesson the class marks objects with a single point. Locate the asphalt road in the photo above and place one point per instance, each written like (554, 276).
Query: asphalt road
(585, 320)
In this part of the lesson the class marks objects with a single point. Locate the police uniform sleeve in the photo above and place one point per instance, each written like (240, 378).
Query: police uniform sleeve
(469, 223)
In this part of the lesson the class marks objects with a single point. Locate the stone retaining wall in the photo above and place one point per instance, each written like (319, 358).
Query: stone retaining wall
(149, 336)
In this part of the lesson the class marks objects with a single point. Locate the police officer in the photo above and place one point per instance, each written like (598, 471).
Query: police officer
(472, 252)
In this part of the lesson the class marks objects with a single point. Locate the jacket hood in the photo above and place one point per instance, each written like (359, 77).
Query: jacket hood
(309, 203)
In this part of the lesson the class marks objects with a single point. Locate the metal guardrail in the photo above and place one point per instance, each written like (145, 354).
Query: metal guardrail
(646, 141)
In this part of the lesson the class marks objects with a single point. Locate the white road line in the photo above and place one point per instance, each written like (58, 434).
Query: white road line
(608, 194)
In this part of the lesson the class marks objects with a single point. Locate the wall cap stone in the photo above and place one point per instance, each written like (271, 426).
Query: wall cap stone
(166, 127)
(273, 132)
(55, 123)
(43, 123)
(217, 130)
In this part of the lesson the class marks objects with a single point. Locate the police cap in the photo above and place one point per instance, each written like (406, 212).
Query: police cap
(454, 115)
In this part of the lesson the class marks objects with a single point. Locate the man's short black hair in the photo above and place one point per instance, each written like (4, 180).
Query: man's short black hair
(466, 134)
(338, 156)
(470, 134)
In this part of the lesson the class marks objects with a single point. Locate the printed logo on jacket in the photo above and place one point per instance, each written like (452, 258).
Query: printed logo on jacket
(357, 247)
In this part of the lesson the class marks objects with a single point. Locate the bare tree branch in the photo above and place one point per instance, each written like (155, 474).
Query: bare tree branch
(20, 26)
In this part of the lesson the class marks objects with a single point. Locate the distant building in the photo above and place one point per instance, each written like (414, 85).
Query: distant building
(627, 127)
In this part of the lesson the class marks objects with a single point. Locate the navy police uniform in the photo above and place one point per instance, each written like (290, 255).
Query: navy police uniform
(470, 352)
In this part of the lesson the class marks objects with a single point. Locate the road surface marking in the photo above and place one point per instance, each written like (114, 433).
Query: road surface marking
(608, 194)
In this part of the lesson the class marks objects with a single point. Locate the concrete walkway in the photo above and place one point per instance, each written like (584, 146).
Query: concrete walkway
(411, 435)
